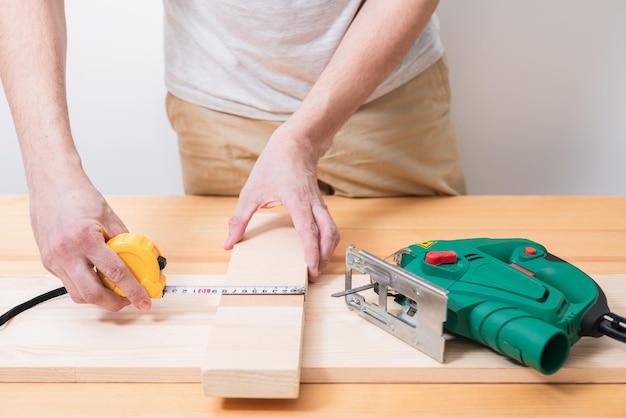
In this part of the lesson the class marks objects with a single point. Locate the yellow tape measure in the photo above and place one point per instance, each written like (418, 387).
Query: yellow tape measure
(146, 263)
(144, 260)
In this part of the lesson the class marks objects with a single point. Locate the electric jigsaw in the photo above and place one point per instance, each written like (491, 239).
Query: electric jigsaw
(511, 295)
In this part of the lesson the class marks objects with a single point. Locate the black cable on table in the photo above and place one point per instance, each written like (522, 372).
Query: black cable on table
(29, 304)
(614, 326)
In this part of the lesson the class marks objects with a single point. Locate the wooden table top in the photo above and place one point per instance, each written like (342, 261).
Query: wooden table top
(589, 232)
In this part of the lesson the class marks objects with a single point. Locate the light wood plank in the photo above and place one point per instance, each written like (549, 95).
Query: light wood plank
(255, 343)
(60, 341)
(340, 346)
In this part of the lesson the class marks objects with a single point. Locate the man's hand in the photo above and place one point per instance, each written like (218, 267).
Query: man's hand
(71, 220)
(285, 174)
(71, 226)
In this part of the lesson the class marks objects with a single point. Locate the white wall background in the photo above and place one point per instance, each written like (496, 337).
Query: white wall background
(539, 96)
(116, 97)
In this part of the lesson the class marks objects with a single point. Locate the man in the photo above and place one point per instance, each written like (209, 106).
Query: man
(277, 102)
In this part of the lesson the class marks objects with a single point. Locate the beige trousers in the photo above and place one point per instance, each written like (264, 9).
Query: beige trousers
(403, 143)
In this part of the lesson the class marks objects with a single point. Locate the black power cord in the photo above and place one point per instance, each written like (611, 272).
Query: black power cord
(599, 321)
(614, 326)
(29, 304)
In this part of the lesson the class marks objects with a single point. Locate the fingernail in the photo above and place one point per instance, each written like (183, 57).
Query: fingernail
(144, 306)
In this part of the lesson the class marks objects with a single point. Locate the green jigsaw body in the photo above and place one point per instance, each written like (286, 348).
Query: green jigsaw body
(509, 294)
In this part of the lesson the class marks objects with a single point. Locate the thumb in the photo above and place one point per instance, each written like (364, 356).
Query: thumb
(237, 225)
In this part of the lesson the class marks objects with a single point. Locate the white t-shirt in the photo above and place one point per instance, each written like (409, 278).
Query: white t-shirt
(259, 59)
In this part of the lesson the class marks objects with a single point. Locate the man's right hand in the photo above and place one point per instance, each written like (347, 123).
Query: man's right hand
(71, 228)
(71, 219)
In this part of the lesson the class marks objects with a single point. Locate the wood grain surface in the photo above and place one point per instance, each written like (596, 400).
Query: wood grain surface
(60, 341)
(255, 342)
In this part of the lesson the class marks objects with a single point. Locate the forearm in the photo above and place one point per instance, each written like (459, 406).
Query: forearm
(32, 69)
(377, 40)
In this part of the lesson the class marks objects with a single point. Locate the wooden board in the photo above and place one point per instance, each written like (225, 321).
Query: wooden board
(255, 342)
(60, 341)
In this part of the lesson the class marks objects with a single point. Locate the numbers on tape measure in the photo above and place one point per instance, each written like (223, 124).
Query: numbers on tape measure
(236, 290)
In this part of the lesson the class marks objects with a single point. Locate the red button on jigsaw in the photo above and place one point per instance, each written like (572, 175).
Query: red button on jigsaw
(530, 251)
(437, 258)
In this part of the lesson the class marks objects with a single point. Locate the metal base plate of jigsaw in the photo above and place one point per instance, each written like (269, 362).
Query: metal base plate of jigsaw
(419, 323)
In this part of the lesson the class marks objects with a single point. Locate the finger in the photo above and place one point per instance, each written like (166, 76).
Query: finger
(116, 271)
(71, 288)
(84, 286)
(307, 229)
(238, 223)
(114, 228)
(329, 236)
